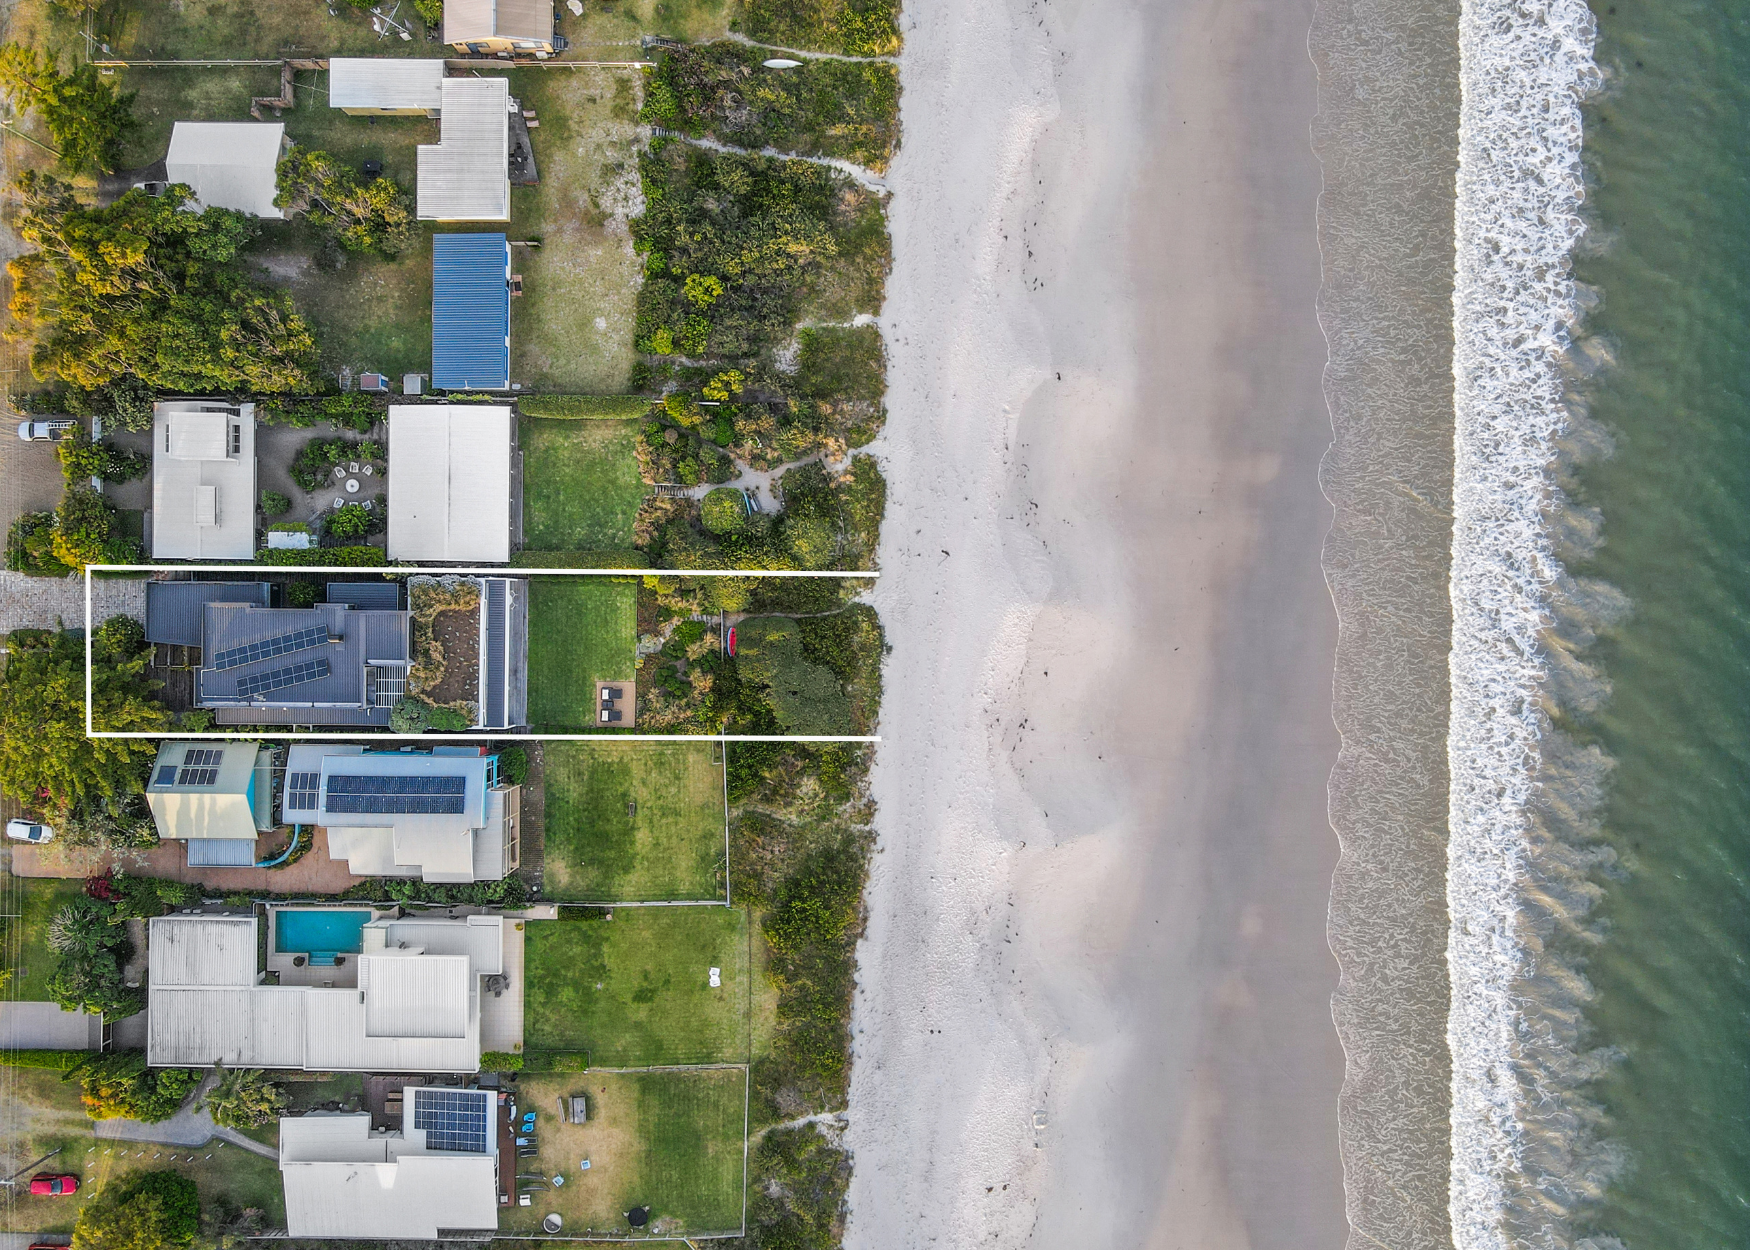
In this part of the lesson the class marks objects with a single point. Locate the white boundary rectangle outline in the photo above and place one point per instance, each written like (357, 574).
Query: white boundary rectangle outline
(440, 571)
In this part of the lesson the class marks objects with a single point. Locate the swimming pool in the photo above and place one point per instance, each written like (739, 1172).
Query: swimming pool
(319, 933)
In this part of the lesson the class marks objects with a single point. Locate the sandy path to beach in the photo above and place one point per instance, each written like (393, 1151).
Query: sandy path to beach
(1094, 996)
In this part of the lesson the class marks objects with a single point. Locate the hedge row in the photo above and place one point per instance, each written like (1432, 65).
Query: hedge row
(585, 407)
(57, 1060)
(349, 557)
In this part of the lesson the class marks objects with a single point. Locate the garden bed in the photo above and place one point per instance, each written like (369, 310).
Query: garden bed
(445, 616)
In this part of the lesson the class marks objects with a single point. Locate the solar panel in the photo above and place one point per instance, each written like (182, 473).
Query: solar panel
(425, 796)
(285, 644)
(280, 678)
(452, 1119)
(302, 791)
(200, 767)
(166, 776)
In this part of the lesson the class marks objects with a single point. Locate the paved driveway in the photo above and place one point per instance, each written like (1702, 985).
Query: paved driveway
(30, 476)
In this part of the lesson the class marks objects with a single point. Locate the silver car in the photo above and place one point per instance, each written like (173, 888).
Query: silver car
(51, 431)
(24, 831)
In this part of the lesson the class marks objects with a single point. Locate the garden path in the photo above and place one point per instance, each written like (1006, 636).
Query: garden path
(42, 602)
(191, 1126)
(863, 177)
(811, 56)
(756, 480)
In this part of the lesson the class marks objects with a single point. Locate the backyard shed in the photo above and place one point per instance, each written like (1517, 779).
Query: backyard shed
(470, 312)
(449, 482)
(493, 26)
(374, 86)
(228, 164)
(465, 175)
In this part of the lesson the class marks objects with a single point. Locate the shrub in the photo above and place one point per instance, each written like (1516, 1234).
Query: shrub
(245, 1098)
(513, 765)
(118, 1084)
(85, 531)
(81, 460)
(178, 1197)
(500, 1061)
(416, 716)
(30, 546)
(352, 557)
(303, 594)
(120, 638)
(584, 407)
(142, 898)
(351, 520)
(810, 540)
(724, 511)
(274, 504)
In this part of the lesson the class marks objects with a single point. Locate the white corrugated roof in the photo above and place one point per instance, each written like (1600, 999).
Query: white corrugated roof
(409, 1199)
(228, 164)
(260, 1026)
(189, 523)
(385, 82)
(201, 950)
(409, 995)
(465, 176)
(449, 482)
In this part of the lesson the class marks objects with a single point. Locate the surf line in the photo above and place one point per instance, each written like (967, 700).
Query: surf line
(1518, 1150)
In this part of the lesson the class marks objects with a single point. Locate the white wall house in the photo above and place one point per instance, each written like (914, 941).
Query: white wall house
(203, 480)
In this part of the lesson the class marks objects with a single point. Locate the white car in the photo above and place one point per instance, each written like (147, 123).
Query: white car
(44, 431)
(24, 831)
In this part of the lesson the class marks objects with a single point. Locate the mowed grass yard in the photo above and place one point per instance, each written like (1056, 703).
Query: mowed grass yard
(634, 991)
(43, 1113)
(671, 1141)
(630, 821)
(581, 630)
(30, 903)
(581, 488)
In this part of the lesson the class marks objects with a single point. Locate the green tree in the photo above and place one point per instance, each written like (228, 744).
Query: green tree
(724, 511)
(374, 216)
(121, 637)
(94, 985)
(145, 1211)
(45, 755)
(144, 289)
(85, 531)
(245, 1098)
(806, 697)
(88, 118)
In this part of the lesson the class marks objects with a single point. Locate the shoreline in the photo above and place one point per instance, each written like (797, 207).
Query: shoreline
(1094, 995)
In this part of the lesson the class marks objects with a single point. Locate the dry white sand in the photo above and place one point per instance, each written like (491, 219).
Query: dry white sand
(1094, 997)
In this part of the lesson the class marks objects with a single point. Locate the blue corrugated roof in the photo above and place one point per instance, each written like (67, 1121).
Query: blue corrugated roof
(470, 312)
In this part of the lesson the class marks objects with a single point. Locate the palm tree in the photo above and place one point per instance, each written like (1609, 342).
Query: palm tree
(244, 1098)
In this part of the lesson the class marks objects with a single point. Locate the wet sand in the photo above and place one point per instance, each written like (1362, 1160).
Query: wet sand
(1094, 1001)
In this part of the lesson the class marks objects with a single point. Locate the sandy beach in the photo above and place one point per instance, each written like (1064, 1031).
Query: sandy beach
(1094, 1002)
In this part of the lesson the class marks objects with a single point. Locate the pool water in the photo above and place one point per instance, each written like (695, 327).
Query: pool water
(319, 932)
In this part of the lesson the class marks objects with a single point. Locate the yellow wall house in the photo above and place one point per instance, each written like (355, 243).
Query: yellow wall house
(517, 27)
(217, 797)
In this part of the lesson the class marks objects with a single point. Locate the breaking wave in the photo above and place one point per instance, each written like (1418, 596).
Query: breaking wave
(1527, 1150)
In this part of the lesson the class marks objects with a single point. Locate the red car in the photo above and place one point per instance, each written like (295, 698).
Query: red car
(54, 1186)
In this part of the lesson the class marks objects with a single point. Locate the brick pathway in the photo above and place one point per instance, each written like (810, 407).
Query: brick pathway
(41, 602)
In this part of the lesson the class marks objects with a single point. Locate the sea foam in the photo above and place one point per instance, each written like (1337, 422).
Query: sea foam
(1526, 1147)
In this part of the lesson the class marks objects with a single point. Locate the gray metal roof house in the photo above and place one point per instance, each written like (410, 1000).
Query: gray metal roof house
(470, 312)
(327, 665)
(173, 609)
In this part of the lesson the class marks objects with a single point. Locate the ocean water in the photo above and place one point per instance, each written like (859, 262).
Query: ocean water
(1598, 820)
(1667, 155)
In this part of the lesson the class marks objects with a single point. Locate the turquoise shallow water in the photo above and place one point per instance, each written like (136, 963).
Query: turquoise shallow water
(326, 930)
(1669, 147)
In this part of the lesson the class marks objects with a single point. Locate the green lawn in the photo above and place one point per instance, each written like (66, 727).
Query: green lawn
(634, 991)
(572, 329)
(668, 1140)
(598, 850)
(581, 488)
(42, 1113)
(34, 900)
(581, 630)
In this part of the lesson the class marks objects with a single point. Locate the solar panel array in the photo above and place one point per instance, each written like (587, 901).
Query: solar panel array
(280, 678)
(425, 796)
(302, 791)
(452, 1119)
(200, 767)
(285, 644)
